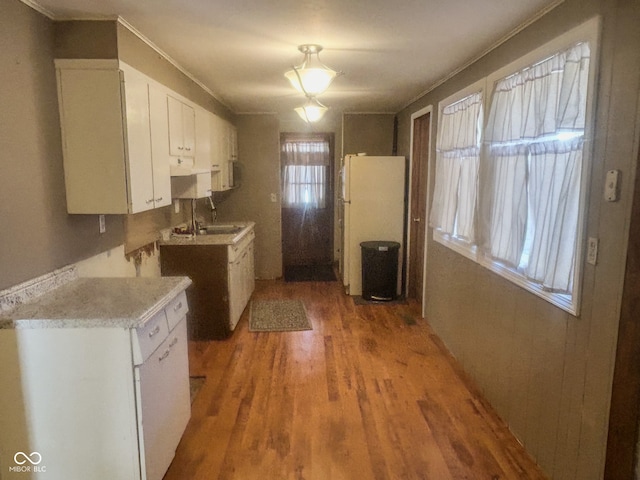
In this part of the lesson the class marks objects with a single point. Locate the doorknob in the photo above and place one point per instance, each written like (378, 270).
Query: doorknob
(416, 220)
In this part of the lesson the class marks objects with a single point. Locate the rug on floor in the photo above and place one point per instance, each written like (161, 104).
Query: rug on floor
(195, 384)
(309, 273)
(278, 316)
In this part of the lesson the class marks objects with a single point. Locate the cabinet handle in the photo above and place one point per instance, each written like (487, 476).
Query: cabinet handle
(173, 342)
(177, 307)
(154, 331)
(188, 149)
(180, 148)
(159, 199)
(164, 355)
(149, 201)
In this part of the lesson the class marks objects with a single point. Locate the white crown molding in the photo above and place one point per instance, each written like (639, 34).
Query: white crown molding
(39, 8)
(169, 59)
(137, 33)
(492, 47)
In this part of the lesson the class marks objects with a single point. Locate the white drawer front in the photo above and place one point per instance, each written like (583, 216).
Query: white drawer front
(237, 249)
(177, 309)
(147, 338)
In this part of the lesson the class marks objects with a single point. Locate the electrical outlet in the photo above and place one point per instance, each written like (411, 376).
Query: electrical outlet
(176, 206)
(592, 250)
(103, 224)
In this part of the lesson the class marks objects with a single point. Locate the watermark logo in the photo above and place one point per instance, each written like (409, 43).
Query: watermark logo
(27, 463)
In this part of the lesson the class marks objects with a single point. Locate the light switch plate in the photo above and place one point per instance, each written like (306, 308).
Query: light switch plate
(103, 224)
(611, 186)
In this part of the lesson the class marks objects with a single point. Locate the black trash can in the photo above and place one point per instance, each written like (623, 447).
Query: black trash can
(379, 270)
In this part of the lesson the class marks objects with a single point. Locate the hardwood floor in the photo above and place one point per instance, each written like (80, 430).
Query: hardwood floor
(369, 393)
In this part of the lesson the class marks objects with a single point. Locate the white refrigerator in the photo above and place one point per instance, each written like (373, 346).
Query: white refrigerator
(373, 195)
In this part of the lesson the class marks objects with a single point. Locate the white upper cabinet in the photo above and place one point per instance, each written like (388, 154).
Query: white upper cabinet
(111, 138)
(224, 150)
(182, 131)
(159, 145)
(195, 182)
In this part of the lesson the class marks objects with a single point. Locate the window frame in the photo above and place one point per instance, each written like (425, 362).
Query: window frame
(588, 31)
(463, 248)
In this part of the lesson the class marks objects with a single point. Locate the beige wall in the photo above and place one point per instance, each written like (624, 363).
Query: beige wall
(370, 133)
(258, 170)
(36, 233)
(547, 372)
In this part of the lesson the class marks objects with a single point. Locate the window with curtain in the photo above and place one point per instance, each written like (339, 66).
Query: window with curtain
(305, 165)
(533, 168)
(457, 156)
(516, 201)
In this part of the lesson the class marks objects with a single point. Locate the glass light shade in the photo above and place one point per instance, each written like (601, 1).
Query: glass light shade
(312, 111)
(314, 80)
(312, 77)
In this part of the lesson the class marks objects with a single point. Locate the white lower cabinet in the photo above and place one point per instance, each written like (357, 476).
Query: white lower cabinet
(241, 279)
(162, 384)
(95, 403)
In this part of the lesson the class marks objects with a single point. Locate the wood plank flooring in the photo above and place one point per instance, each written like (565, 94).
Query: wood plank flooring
(369, 393)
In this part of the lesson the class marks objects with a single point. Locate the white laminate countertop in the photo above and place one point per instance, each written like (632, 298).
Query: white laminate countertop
(97, 302)
(218, 239)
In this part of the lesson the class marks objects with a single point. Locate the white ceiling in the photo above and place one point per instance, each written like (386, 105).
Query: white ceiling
(390, 52)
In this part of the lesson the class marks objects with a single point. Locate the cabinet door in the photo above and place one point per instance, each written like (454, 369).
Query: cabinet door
(188, 131)
(91, 116)
(174, 111)
(138, 130)
(236, 285)
(163, 388)
(203, 139)
(160, 146)
(219, 159)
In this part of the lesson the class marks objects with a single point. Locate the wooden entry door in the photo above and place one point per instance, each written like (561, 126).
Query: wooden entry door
(418, 215)
(307, 199)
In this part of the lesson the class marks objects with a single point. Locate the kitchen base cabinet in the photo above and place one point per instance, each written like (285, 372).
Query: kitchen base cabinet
(97, 402)
(223, 281)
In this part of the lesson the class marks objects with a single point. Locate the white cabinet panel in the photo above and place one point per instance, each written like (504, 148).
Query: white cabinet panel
(109, 133)
(163, 386)
(182, 130)
(136, 88)
(160, 145)
(224, 151)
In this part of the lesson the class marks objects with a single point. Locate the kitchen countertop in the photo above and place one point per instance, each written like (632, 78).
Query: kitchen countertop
(217, 239)
(97, 302)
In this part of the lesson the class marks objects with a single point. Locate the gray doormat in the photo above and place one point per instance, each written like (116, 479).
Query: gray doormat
(278, 316)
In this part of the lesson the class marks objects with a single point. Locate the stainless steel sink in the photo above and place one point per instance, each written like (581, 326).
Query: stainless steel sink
(220, 229)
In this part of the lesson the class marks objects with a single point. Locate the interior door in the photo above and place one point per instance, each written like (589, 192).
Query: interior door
(418, 216)
(307, 199)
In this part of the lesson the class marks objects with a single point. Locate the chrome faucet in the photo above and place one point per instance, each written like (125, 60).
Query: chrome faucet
(214, 212)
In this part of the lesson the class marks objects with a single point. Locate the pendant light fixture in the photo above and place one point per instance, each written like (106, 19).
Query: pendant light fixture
(312, 111)
(311, 77)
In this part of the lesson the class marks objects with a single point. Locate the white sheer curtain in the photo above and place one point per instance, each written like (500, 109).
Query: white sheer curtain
(531, 175)
(304, 186)
(457, 156)
(305, 164)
